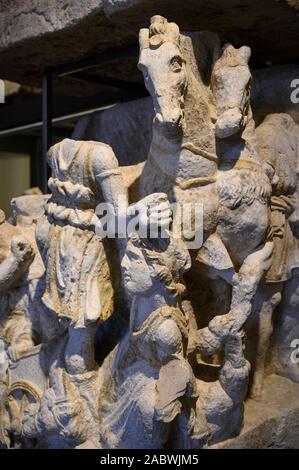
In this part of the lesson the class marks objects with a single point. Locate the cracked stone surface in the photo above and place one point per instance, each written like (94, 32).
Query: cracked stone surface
(48, 16)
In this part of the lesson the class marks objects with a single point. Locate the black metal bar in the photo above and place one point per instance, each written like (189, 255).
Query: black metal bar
(107, 81)
(106, 57)
(21, 113)
(15, 118)
(35, 167)
(47, 126)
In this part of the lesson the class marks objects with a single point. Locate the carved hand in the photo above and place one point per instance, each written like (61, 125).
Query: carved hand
(54, 416)
(46, 419)
(154, 210)
(16, 263)
(21, 248)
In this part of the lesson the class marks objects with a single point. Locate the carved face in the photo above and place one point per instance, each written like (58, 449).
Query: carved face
(165, 78)
(136, 272)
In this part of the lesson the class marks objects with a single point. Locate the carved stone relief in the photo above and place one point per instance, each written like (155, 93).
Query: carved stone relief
(195, 331)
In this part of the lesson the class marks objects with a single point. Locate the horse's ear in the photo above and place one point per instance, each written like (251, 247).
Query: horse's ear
(173, 33)
(143, 38)
(232, 54)
(245, 53)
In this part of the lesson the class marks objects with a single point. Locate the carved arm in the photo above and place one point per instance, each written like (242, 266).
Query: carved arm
(16, 263)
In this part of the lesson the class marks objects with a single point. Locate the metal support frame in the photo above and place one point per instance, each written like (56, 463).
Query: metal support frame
(106, 57)
(47, 126)
(77, 70)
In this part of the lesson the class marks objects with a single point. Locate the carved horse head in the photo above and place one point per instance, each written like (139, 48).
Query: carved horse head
(177, 73)
(231, 80)
(163, 67)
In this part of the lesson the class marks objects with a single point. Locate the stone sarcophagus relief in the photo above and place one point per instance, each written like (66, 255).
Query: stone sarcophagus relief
(199, 320)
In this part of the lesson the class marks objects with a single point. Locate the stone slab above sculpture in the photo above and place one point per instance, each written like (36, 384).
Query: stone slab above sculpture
(57, 35)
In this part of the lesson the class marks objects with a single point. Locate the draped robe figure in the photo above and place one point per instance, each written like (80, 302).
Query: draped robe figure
(78, 278)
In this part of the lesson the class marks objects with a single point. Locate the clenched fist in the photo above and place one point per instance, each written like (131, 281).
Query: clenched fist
(154, 212)
(21, 248)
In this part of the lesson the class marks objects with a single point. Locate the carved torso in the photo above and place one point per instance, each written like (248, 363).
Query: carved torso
(78, 281)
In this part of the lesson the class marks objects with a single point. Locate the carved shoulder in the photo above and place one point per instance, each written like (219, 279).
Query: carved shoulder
(103, 159)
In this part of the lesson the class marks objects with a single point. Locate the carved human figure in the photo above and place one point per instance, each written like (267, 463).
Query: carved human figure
(81, 266)
(17, 320)
(205, 148)
(25, 322)
(26, 212)
(285, 344)
(16, 257)
(147, 386)
(79, 288)
(78, 279)
(278, 148)
(222, 400)
(62, 419)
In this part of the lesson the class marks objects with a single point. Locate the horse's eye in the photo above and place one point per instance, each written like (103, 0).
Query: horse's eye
(176, 63)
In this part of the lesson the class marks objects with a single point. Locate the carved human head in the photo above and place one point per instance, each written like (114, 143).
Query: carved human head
(151, 265)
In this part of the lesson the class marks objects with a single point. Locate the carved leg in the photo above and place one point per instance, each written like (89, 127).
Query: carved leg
(79, 353)
(18, 334)
(271, 298)
(245, 283)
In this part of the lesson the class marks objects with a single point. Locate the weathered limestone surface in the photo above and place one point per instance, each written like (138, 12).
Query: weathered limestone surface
(37, 34)
(167, 328)
(272, 423)
(270, 93)
(127, 128)
(27, 20)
